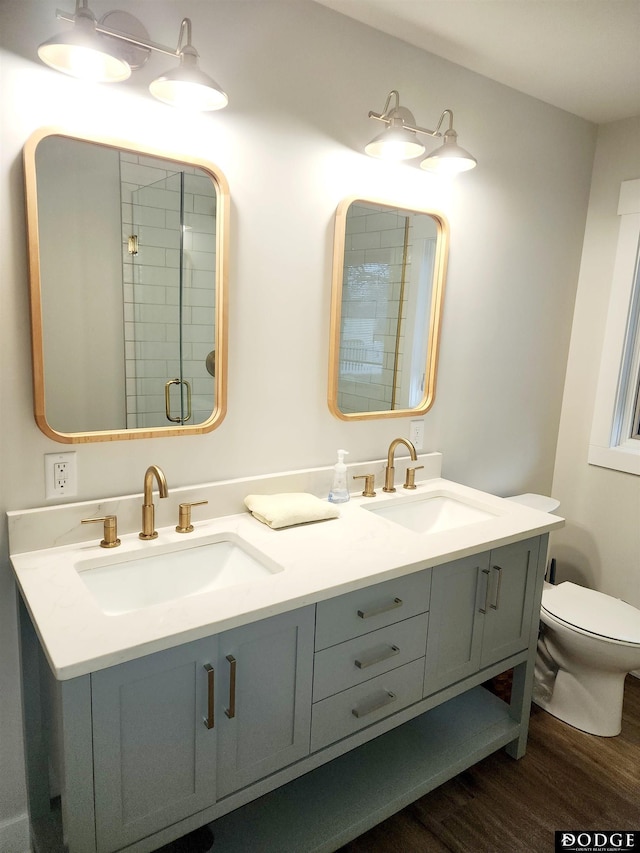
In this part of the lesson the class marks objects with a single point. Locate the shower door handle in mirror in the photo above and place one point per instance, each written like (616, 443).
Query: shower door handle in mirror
(167, 401)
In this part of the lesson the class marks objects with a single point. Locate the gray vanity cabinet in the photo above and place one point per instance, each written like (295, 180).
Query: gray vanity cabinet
(369, 661)
(508, 606)
(361, 703)
(264, 681)
(480, 611)
(154, 757)
(455, 635)
(173, 733)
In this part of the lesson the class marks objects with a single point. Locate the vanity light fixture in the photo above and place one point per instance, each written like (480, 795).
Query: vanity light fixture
(106, 51)
(399, 140)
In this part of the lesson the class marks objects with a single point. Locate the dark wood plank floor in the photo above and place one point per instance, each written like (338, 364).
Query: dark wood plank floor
(567, 780)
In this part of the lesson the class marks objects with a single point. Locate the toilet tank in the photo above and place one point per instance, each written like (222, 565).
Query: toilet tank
(540, 502)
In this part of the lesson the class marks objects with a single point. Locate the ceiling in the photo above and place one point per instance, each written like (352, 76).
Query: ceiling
(582, 56)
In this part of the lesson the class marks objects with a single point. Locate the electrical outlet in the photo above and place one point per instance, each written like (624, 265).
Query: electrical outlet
(416, 434)
(60, 475)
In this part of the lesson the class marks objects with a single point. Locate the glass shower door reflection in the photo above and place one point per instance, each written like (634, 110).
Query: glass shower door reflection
(170, 301)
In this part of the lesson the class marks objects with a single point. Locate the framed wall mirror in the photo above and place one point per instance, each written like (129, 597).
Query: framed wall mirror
(389, 270)
(128, 254)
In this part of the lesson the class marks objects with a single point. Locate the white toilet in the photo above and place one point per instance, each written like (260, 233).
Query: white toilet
(589, 643)
(592, 641)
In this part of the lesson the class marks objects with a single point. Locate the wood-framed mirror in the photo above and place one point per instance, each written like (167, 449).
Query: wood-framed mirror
(128, 269)
(389, 271)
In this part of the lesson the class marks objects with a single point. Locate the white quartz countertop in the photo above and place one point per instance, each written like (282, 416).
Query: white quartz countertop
(317, 561)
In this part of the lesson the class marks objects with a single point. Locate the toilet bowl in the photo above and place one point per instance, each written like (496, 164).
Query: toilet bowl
(588, 644)
(592, 641)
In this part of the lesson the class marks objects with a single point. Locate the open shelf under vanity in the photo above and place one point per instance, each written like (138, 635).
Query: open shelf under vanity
(331, 805)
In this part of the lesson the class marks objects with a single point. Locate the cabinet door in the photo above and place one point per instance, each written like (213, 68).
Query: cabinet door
(154, 756)
(455, 621)
(512, 580)
(264, 697)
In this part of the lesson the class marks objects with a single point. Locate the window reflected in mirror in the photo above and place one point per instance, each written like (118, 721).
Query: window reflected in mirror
(127, 267)
(388, 284)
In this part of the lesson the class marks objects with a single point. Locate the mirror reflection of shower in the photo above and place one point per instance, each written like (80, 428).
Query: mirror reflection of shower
(106, 285)
(168, 299)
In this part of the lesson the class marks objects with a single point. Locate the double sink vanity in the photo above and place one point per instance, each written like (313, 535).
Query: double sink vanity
(290, 687)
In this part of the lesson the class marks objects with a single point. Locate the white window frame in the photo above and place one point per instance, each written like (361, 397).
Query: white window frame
(611, 445)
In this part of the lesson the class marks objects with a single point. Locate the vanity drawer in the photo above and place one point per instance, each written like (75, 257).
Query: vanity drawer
(373, 607)
(363, 658)
(354, 709)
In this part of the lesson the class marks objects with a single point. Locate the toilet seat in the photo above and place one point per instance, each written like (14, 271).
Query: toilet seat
(593, 612)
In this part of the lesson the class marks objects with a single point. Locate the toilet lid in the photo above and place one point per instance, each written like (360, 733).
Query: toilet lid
(593, 611)
(539, 502)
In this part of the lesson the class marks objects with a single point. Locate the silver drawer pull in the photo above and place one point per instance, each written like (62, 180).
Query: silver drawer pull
(496, 604)
(209, 720)
(486, 592)
(374, 704)
(231, 710)
(383, 608)
(377, 657)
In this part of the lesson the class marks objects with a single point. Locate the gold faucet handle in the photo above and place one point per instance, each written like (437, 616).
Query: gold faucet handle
(110, 530)
(410, 479)
(369, 482)
(184, 516)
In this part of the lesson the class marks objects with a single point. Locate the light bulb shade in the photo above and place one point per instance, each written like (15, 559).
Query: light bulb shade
(450, 158)
(189, 87)
(395, 143)
(84, 53)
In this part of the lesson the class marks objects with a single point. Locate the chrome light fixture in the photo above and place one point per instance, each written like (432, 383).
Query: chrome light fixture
(187, 85)
(399, 140)
(106, 51)
(84, 52)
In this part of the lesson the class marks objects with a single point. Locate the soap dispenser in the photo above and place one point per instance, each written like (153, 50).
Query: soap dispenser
(339, 493)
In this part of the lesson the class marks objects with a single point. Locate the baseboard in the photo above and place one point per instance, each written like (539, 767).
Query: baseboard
(14, 835)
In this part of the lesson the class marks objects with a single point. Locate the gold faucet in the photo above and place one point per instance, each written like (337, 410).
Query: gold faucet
(389, 471)
(148, 509)
(110, 539)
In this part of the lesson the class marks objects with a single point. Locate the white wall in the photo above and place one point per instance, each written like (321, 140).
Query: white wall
(301, 80)
(83, 376)
(600, 545)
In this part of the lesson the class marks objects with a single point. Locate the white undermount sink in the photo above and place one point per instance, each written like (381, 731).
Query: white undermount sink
(132, 581)
(431, 513)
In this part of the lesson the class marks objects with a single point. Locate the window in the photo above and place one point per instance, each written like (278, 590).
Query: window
(628, 401)
(615, 433)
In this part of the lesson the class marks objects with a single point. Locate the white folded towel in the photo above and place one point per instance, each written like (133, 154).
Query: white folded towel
(289, 508)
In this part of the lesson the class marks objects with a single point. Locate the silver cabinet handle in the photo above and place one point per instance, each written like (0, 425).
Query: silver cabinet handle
(389, 652)
(383, 608)
(374, 704)
(209, 720)
(231, 710)
(496, 604)
(483, 609)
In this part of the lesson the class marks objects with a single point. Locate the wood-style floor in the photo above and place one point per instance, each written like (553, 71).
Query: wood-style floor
(567, 780)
